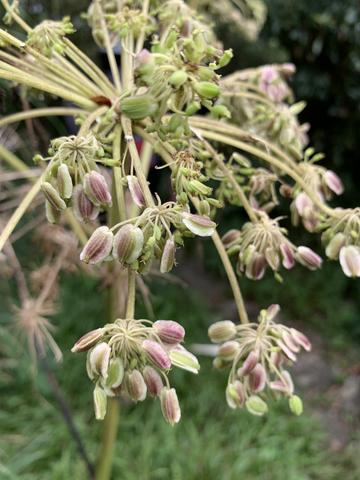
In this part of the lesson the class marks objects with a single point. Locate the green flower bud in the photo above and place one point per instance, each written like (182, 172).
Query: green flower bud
(181, 358)
(64, 181)
(192, 108)
(52, 196)
(206, 73)
(256, 406)
(295, 405)
(178, 78)
(100, 403)
(199, 224)
(225, 58)
(207, 89)
(235, 394)
(52, 214)
(335, 245)
(115, 373)
(138, 107)
(199, 188)
(220, 111)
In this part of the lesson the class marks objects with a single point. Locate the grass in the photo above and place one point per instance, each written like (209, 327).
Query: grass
(211, 442)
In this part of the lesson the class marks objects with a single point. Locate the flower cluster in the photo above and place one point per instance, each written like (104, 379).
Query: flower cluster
(48, 36)
(342, 240)
(73, 178)
(258, 354)
(134, 357)
(263, 244)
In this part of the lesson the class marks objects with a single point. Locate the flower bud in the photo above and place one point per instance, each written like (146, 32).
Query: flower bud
(98, 247)
(153, 381)
(198, 224)
(156, 354)
(199, 188)
(220, 111)
(135, 191)
(228, 350)
(308, 258)
(136, 386)
(288, 259)
(170, 405)
(168, 256)
(256, 267)
(222, 331)
(256, 406)
(100, 403)
(64, 181)
(303, 204)
(289, 341)
(296, 405)
(225, 58)
(335, 245)
(138, 107)
(350, 260)
(169, 331)
(333, 182)
(248, 365)
(235, 394)
(288, 352)
(284, 384)
(192, 108)
(99, 358)
(272, 311)
(88, 340)
(83, 208)
(272, 258)
(115, 373)
(52, 196)
(53, 215)
(230, 237)
(301, 339)
(182, 358)
(128, 244)
(178, 78)
(207, 89)
(257, 378)
(97, 189)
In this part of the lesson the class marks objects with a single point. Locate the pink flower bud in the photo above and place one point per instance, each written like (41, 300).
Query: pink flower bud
(156, 354)
(170, 405)
(235, 394)
(199, 224)
(272, 311)
(228, 350)
(257, 378)
(334, 182)
(288, 259)
(153, 381)
(303, 204)
(335, 245)
(283, 384)
(98, 247)
(248, 365)
(289, 341)
(136, 386)
(83, 208)
(128, 244)
(288, 352)
(53, 196)
(97, 189)
(135, 191)
(301, 339)
(308, 258)
(230, 237)
(88, 340)
(168, 256)
(99, 358)
(221, 331)
(350, 260)
(255, 270)
(169, 331)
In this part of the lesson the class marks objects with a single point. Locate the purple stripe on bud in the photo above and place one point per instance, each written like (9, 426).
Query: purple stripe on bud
(170, 405)
(235, 394)
(283, 384)
(83, 207)
(248, 365)
(156, 354)
(96, 188)
(334, 182)
(288, 259)
(98, 247)
(136, 386)
(135, 191)
(169, 331)
(301, 339)
(257, 378)
(153, 381)
(308, 258)
(88, 340)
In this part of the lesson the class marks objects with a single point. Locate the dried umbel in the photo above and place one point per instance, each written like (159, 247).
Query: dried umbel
(258, 355)
(134, 357)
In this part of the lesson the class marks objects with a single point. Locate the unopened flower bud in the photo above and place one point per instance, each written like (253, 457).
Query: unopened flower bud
(168, 256)
(169, 331)
(228, 350)
(272, 311)
(52, 196)
(99, 358)
(128, 244)
(288, 259)
(182, 358)
(207, 89)
(98, 247)
(225, 58)
(257, 378)
(220, 111)
(53, 215)
(115, 373)
(230, 237)
(335, 245)
(138, 107)
(88, 340)
(100, 403)
(256, 267)
(199, 224)
(135, 191)
(235, 394)
(248, 365)
(199, 188)
(192, 108)
(301, 339)
(296, 405)
(222, 331)
(308, 258)
(350, 260)
(153, 381)
(156, 354)
(64, 181)
(283, 384)
(136, 386)
(83, 208)
(334, 182)
(178, 78)
(170, 405)
(96, 188)
(256, 406)
(303, 204)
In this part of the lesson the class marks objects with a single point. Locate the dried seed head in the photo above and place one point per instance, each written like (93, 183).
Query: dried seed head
(170, 405)
(64, 181)
(153, 381)
(83, 207)
(199, 224)
(156, 354)
(96, 188)
(52, 196)
(169, 331)
(222, 331)
(88, 340)
(98, 247)
(128, 244)
(136, 386)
